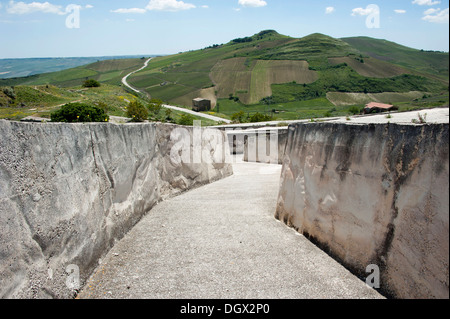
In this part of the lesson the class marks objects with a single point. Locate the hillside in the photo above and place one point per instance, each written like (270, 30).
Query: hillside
(285, 77)
(106, 71)
(13, 68)
(272, 68)
(424, 62)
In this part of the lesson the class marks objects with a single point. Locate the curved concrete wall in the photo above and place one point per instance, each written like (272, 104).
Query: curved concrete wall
(373, 194)
(68, 192)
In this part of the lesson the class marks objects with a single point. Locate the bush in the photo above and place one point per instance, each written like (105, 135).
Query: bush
(354, 110)
(258, 117)
(9, 92)
(155, 106)
(186, 119)
(79, 112)
(91, 84)
(238, 117)
(137, 112)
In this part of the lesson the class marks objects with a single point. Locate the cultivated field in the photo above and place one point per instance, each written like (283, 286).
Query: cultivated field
(343, 99)
(370, 67)
(265, 73)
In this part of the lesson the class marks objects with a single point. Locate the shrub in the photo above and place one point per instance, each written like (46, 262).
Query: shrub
(186, 119)
(155, 106)
(91, 83)
(79, 112)
(258, 117)
(354, 110)
(238, 117)
(9, 92)
(137, 112)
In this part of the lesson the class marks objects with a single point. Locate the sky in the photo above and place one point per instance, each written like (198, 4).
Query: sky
(85, 28)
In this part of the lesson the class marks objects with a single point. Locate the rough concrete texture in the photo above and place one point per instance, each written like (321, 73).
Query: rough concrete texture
(68, 192)
(256, 144)
(221, 241)
(373, 194)
(266, 145)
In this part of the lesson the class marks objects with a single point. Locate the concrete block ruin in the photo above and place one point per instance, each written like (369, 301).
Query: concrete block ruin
(68, 192)
(373, 195)
(263, 145)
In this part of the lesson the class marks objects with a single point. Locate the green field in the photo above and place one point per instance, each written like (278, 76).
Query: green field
(284, 77)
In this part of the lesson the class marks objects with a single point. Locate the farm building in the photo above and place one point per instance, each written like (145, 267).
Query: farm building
(201, 105)
(378, 107)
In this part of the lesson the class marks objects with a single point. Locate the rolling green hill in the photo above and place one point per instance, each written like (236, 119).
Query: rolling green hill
(423, 62)
(107, 71)
(269, 72)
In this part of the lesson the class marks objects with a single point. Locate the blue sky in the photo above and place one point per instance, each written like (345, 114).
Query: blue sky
(51, 28)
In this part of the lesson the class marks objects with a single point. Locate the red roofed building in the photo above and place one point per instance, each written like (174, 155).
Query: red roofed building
(378, 107)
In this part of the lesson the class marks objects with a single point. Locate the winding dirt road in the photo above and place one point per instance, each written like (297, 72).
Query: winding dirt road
(206, 116)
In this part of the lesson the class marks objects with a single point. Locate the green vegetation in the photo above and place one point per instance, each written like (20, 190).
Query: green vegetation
(91, 83)
(186, 119)
(265, 76)
(137, 112)
(423, 62)
(79, 112)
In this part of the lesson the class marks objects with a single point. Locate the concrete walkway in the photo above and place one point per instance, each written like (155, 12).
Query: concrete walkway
(221, 241)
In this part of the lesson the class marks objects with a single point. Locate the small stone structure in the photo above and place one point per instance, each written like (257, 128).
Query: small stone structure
(201, 105)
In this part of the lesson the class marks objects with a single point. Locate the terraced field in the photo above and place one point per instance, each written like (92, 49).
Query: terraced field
(370, 67)
(267, 72)
(343, 99)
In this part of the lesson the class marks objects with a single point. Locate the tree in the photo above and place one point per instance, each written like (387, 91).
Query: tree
(137, 112)
(91, 83)
(79, 112)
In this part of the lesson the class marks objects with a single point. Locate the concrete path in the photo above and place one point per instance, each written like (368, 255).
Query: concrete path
(221, 241)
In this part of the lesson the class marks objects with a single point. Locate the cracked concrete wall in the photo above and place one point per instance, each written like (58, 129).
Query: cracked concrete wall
(68, 192)
(373, 194)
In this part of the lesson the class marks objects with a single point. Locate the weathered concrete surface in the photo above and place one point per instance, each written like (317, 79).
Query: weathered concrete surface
(68, 192)
(221, 241)
(373, 194)
(262, 145)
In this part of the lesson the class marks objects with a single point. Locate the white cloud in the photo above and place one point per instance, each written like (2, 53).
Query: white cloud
(88, 6)
(329, 10)
(168, 5)
(130, 10)
(204, 6)
(426, 2)
(437, 16)
(431, 11)
(26, 8)
(253, 3)
(159, 5)
(400, 11)
(364, 12)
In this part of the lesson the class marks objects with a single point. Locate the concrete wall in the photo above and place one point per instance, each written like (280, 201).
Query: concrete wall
(69, 192)
(265, 145)
(373, 194)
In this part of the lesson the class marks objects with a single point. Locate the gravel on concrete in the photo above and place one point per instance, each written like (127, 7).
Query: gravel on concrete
(221, 241)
